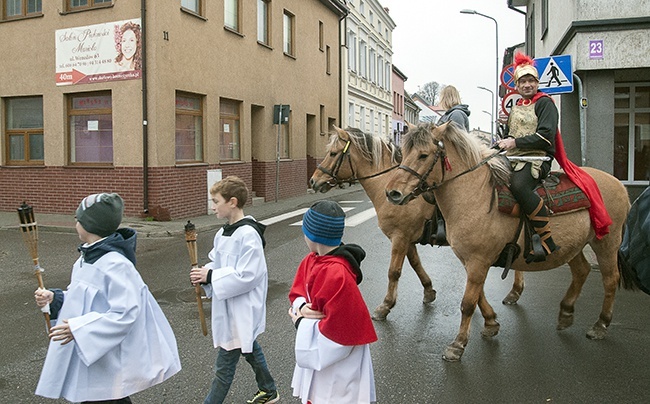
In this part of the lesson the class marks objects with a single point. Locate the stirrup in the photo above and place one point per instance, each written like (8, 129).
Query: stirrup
(537, 254)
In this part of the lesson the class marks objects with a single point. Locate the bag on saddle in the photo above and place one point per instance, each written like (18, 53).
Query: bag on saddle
(635, 248)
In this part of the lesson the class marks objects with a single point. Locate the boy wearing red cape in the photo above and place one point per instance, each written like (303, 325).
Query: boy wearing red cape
(333, 326)
(532, 139)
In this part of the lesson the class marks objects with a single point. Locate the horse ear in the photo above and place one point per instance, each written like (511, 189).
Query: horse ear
(340, 132)
(409, 125)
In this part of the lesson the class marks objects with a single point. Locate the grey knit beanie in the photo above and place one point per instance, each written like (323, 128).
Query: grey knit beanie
(101, 214)
(324, 222)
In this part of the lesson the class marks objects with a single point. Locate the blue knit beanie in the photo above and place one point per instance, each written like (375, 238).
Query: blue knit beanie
(324, 222)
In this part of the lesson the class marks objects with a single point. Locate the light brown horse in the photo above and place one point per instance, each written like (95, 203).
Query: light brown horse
(356, 156)
(462, 177)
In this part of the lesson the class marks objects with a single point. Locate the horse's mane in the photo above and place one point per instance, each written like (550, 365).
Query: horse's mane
(370, 147)
(469, 148)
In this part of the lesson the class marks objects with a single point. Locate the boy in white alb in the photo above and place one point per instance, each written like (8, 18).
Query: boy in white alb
(333, 326)
(237, 280)
(111, 338)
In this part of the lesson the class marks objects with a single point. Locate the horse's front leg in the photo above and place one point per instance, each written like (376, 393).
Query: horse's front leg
(397, 254)
(517, 288)
(473, 288)
(416, 263)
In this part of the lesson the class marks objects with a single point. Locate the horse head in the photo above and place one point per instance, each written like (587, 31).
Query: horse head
(332, 171)
(423, 149)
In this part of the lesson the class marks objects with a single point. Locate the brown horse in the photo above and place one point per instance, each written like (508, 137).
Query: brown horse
(355, 156)
(462, 176)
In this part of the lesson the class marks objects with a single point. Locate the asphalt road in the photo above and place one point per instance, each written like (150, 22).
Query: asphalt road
(528, 362)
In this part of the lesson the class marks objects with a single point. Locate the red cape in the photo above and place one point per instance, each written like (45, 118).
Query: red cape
(600, 219)
(329, 284)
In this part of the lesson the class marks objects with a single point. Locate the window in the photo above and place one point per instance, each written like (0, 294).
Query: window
(379, 27)
(380, 71)
(321, 40)
(372, 65)
(323, 129)
(352, 51)
(189, 128)
(387, 72)
(91, 128)
(24, 130)
(229, 140)
(231, 14)
(21, 8)
(287, 33)
(371, 18)
(362, 119)
(544, 18)
(264, 22)
(74, 5)
(632, 132)
(351, 115)
(327, 56)
(194, 6)
(362, 58)
(530, 33)
(362, 8)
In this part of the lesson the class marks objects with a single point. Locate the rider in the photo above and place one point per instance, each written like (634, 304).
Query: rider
(530, 133)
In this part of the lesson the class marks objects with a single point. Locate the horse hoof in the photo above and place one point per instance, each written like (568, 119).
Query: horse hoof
(564, 321)
(490, 331)
(512, 298)
(429, 296)
(380, 314)
(597, 332)
(453, 354)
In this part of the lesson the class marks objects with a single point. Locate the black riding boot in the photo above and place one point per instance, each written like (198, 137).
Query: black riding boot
(543, 243)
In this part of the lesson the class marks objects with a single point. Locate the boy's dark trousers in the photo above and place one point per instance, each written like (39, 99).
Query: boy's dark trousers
(225, 367)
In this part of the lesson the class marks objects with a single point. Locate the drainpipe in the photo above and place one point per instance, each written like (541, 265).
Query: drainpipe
(145, 133)
(583, 110)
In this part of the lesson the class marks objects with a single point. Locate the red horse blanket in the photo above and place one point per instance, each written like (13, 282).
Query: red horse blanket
(562, 196)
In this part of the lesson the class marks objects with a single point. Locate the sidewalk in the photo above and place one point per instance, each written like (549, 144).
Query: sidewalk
(66, 223)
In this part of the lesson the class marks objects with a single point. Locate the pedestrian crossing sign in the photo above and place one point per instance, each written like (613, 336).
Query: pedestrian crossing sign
(555, 74)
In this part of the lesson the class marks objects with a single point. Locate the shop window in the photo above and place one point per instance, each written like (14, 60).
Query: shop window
(229, 130)
(24, 130)
(632, 133)
(189, 128)
(90, 126)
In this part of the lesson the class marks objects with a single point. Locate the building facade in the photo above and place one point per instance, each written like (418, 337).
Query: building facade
(366, 84)
(156, 104)
(605, 121)
(398, 124)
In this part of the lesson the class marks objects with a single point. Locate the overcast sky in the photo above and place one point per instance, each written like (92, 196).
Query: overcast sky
(433, 41)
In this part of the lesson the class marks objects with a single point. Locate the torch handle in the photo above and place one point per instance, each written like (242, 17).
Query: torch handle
(191, 248)
(39, 279)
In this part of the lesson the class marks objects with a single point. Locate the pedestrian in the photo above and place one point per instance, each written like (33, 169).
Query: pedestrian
(111, 339)
(333, 326)
(455, 111)
(531, 141)
(236, 279)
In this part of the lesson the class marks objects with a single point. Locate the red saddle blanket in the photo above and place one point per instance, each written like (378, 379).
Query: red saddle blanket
(562, 196)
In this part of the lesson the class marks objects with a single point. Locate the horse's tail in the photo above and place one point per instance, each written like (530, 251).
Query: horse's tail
(629, 279)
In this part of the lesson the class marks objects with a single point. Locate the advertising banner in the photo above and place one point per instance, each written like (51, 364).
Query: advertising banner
(97, 53)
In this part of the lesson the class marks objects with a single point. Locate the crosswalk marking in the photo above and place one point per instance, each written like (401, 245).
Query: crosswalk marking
(284, 216)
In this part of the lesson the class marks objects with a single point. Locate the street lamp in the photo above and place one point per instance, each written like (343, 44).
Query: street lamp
(492, 137)
(496, 72)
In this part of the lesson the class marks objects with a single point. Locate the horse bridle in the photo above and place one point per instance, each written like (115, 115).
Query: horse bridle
(334, 181)
(441, 156)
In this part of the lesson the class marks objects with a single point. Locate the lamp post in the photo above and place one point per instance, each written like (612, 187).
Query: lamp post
(496, 72)
(491, 114)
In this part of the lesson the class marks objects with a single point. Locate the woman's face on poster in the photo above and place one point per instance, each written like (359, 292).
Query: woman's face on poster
(129, 44)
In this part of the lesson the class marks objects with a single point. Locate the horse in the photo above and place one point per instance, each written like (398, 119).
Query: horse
(464, 188)
(356, 156)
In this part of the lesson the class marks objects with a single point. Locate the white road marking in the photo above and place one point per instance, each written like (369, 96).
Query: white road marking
(284, 216)
(354, 220)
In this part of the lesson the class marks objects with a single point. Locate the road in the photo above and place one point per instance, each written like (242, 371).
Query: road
(528, 362)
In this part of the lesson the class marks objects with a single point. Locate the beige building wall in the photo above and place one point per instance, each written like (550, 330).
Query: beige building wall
(194, 54)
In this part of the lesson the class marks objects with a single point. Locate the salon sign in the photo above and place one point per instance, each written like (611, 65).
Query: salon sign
(98, 53)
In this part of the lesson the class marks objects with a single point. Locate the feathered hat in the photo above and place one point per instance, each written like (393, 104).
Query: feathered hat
(524, 65)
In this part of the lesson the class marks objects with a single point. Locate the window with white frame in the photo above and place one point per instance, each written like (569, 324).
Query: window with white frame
(264, 22)
(352, 51)
(231, 15)
(372, 62)
(288, 33)
(362, 118)
(632, 132)
(363, 48)
(351, 115)
(195, 6)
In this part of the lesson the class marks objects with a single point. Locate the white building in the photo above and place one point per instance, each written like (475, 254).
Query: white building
(366, 86)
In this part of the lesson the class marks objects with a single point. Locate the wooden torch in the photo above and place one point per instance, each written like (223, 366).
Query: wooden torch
(29, 230)
(190, 238)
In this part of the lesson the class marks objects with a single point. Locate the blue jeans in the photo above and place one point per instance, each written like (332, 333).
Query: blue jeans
(225, 372)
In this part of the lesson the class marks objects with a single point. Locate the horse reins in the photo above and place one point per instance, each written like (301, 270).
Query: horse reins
(339, 162)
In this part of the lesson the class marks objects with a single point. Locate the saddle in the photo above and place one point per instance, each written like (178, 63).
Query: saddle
(559, 193)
